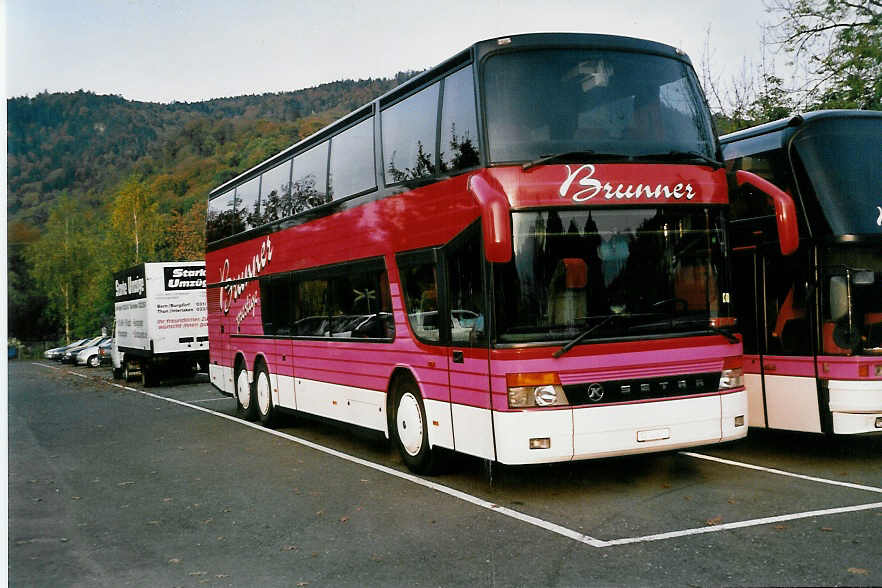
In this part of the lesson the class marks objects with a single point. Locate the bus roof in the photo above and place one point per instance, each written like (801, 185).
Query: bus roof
(476, 52)
(782, 125)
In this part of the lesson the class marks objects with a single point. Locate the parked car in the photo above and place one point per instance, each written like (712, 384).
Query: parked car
(105, 353)
(70, 355)
(89, 355)
(57, 352)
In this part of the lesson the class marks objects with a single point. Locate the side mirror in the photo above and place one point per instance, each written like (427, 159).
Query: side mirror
(495, 217)
(863, 278)
(838, 298)
(785, 209)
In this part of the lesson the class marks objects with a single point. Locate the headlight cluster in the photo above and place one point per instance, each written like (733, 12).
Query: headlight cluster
(536, 389)
(733, 373)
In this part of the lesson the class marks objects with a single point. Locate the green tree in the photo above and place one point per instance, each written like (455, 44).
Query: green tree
(59, 260)
(841, 43)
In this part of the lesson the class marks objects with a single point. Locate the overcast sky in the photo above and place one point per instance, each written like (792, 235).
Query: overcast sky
(162, 50)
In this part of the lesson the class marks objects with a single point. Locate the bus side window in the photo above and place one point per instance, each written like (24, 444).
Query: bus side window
(419, 285)
(466, 291)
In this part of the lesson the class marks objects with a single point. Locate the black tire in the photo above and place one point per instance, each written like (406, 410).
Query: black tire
(117, 373)
(126, 371)
(149, 376)
(93, 361)
(246, 406)
(263, 396)
(411, 431)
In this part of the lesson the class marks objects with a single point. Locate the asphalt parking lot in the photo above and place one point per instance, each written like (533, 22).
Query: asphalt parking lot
(165, 486)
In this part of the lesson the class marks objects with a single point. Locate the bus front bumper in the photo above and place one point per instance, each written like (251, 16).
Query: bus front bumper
(542, 436)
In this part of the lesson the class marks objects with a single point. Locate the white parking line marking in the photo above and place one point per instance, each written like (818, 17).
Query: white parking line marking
(211, 399)
(781, 472)
(51, 367)
(549, 526)
(742, 524)
(80, 375)
(537, 522)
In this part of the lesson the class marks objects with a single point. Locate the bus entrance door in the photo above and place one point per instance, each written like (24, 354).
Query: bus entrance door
(773, 304)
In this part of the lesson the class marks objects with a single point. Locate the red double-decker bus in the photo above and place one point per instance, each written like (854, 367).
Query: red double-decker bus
(518, 255)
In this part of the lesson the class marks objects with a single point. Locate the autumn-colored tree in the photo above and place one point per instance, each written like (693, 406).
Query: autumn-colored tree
(187, 234)
(137, 228)
(60, 259)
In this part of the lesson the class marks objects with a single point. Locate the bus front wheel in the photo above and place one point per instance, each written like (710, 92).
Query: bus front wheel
(411, 430)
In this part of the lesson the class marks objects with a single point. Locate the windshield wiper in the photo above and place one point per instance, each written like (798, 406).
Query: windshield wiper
(684, 155)
(729, 335)
(572, 155)
(581, 336)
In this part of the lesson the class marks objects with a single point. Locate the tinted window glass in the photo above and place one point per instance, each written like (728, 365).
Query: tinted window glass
(350, 302)
(222, 220)
(464, 276)
(459, 126)
(309, 179)
(275, 190)
(248, 203)
(409, 137)
(276, 297)
(612, 102)
(352, 160)
(843, 158)
(420, 284)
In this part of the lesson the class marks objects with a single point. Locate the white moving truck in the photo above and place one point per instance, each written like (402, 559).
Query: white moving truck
(161, 320)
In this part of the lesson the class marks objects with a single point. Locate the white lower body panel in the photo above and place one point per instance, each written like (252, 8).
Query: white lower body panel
(221, 377)
(792, 403)
(358, 406)
(856, 406)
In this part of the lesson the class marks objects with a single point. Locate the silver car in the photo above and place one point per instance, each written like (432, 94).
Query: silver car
(57, 352)
(89, 355)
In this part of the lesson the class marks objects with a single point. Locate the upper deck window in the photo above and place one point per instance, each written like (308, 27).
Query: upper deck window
(222, 219)
(459, 125)
(409, 137)
(275, 193)
(248, 203)
(352, 161)
(309, 180)
(545, 102)
(842, 159)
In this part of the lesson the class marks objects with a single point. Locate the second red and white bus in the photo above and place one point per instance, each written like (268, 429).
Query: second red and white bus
(812, 322)
(519, 255)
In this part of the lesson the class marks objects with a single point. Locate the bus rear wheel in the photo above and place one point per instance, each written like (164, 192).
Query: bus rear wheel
(245, 404)
(264, 397)
(411, 430)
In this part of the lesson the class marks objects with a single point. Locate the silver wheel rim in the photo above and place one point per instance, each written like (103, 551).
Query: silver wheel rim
(242, 391)
(263, 393)
(409, 421)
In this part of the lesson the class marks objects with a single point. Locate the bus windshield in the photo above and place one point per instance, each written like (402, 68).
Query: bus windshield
(843, 159)
(632, 272)
(609, 103)
(852, 294)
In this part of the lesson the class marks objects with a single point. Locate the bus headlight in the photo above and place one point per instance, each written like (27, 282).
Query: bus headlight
(546, 395)
(537, 389)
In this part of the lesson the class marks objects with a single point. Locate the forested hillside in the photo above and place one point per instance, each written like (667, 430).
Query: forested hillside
(98, 183)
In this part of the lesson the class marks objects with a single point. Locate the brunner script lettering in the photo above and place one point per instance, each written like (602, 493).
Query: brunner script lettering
(232, 292)
(587, 187)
